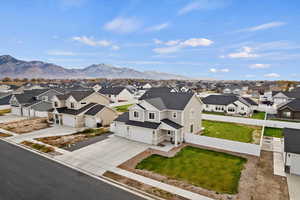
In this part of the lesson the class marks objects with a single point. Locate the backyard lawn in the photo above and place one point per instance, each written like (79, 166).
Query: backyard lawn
(208, 169)
(258, 115)
(273, 132)
(123, 108)
(229, 131)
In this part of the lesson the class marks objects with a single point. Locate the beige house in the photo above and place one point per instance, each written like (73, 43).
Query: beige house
(161, 117)
(82, 109)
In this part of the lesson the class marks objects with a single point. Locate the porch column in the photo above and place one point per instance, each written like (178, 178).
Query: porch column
(176, 138)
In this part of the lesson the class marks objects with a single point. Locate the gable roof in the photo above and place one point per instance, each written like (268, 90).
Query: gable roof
(168, 100)
(155, 92)
(220, 99)
(293, 105)
(5, 100)
(172, 124)
(291, 140)
(42, 106)
(94, 110)
(66, 110)
(250, 101)
(292, 94)
(112, 90)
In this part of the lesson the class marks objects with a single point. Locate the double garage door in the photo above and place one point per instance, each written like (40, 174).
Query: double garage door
(68, 120)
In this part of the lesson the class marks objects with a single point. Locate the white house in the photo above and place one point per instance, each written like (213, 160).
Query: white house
(292, 151)
(161, 117)
(117, 94)
(229, 104)
(82, 109)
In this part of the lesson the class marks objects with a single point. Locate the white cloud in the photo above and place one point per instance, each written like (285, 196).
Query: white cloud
(158, 27)
(259, 66)
(272, 75)
(115, 47)
(123, 25)
(201, 5)
(214, 70)
(91, 41)
(60, 53)
(245, 53)
(264, 26)
(195, 42)
(176, 45)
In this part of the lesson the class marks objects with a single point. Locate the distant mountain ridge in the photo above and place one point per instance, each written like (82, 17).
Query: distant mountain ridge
(12, 67)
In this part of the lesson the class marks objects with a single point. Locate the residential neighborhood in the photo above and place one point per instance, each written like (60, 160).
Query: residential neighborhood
(149, 100)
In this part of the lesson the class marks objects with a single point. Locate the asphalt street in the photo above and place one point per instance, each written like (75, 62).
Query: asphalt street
(28, 176)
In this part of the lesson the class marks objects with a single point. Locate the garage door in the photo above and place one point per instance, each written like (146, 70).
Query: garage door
(295, 164)
(90, 122)
(68, 120)
(16, 111)
(26, 112)
(140, 134)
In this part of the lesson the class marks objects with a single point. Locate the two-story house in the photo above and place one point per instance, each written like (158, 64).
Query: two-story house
(33, 103)
(82, 109)
(161, 117)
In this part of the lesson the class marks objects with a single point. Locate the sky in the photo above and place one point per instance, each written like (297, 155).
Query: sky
(219, 39)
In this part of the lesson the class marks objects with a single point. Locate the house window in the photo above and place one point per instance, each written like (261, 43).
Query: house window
(55, 104)
(151, 115)
(72, 105)
(287, 114)
(192, 128)
(83, 103)
(231, 109)
(174, 115)
(242, 108)
(136, 114)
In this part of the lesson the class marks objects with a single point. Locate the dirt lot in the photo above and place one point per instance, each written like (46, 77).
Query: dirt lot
(25, 126)
(66, 140)
(269, 186)
(144, 187)
(257, 181)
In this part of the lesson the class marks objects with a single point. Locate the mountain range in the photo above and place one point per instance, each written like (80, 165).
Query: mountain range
(15, 68)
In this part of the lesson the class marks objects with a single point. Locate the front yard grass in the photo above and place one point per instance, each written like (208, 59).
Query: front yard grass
(258, 115)
(208, 169)
(273, 132)
(123, 108)
(230, 131)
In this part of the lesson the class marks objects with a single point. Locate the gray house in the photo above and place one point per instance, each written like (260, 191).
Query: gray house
(161, 117)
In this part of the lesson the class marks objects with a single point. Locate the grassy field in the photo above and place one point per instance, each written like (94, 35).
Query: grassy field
(258, 115)
(229, 131)
(123, 108)
(273, 132)
(211, 170)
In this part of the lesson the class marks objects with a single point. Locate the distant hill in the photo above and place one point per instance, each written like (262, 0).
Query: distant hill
(12, 67)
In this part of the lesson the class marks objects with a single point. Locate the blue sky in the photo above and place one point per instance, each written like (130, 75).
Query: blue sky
(220, 39)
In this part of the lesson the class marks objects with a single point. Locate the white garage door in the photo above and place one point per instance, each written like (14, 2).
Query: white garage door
(295, 164)
(16, 111)
(140, 134)
(90, 122)
(68, 120)
(26, 112)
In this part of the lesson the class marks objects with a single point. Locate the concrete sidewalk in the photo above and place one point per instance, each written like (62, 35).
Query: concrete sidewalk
(294, 186)
(278, 157)
(163, 186)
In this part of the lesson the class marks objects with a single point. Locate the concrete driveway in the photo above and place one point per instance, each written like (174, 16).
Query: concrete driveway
(52, 131)
(10, 118)
(294, 185)
(104, 155)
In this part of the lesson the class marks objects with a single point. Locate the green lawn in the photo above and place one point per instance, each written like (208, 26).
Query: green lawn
(208, 169)
(273, 132)
(123, 108)
(258, 115)
(229, 131)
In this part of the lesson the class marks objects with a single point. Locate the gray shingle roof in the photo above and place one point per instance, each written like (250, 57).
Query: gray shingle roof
(250, 101)
(5, 100)
(42, 106)
(94, 110)
(66, 110)
(168, 100)
(293, 105)
(125, 118)
(220, 99)
(172, 124)
(291, 140)
(112, 90)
